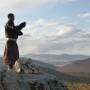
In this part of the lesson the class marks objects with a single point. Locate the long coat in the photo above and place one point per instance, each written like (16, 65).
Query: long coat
(11, 53)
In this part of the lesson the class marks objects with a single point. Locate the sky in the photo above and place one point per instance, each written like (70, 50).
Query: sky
(53, 26)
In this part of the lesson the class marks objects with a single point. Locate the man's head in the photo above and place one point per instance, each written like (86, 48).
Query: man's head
(11, 16)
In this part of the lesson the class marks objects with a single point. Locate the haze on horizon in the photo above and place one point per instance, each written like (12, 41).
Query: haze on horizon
(53, 27)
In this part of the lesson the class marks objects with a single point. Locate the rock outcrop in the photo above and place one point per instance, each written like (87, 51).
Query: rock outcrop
(10, 80)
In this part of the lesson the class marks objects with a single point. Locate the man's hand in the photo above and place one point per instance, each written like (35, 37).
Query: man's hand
(23, 24)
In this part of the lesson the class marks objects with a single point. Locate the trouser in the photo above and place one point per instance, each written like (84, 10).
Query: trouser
(10, 66)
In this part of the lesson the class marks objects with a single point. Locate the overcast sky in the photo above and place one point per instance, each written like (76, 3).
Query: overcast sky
(53, 26)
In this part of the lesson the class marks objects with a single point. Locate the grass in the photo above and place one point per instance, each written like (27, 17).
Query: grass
(77, 86)
(66, 77)
(78, 81)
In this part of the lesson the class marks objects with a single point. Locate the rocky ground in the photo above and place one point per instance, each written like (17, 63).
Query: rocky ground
(10, 80)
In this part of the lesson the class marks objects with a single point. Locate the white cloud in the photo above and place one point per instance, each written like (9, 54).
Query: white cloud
(43, 29)
(52, 37)
(65, 31)
(31, 3)
(44, 36)
(84, 15)
(16, 5)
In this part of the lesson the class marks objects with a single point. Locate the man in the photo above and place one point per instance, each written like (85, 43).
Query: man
(11, 53)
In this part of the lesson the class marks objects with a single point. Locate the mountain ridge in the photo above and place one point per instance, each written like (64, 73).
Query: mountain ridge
(57, 59)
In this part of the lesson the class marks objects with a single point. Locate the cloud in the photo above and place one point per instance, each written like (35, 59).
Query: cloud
(43, 36)
(43, 29)
(84, 15)
(53, 37)
(18, 5)
(31, 3)
(65, 31)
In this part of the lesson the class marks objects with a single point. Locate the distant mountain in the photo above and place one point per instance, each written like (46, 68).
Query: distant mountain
(40, 63)
(77, 66)
(57, 59)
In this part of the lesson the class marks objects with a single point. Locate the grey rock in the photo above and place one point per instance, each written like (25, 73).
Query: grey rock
(10, 80)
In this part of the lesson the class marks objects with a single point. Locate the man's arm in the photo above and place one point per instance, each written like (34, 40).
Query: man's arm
(21, 26)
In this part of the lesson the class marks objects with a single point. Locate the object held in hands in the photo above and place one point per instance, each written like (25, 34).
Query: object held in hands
(23, 24)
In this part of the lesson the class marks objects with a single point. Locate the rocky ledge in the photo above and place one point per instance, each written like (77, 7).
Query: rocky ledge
(10, 80)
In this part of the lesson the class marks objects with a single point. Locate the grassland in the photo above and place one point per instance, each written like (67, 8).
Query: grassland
(77, 86)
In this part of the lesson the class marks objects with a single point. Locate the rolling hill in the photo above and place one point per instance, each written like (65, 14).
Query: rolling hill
(76, 66)
(54, 59)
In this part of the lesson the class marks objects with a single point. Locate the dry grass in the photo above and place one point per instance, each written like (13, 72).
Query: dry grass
(77, 86)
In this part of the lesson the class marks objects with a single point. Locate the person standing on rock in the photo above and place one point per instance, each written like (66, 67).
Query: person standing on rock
(11, 53)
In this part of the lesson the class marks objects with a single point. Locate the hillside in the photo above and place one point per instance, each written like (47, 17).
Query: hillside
(77, 66)
(47, 74)
(41, 80)
(54, 59)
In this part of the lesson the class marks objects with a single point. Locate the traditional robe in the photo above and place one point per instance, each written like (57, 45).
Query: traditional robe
(11, 53)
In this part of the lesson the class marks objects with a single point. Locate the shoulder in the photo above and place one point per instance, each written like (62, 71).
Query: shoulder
(10, 23)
